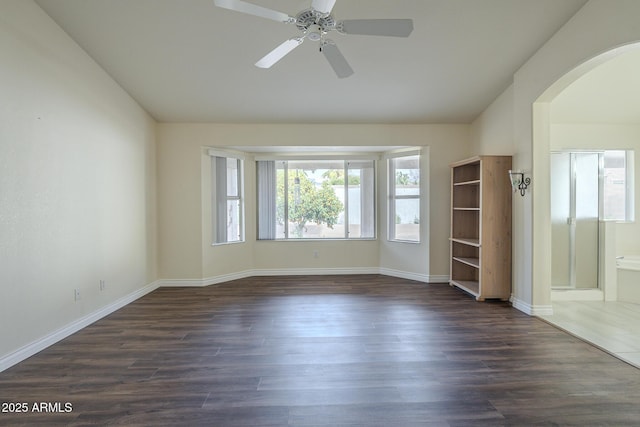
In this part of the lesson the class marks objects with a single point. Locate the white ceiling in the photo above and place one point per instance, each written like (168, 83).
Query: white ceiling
(189, 61)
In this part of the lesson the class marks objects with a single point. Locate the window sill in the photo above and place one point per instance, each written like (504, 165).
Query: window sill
(363, 239)
(228, 243)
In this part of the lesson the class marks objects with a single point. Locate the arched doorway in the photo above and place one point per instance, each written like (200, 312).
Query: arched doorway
(586, 111)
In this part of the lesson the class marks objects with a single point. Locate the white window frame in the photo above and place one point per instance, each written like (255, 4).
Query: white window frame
(220, 197)
(263, 217)
(392, 197)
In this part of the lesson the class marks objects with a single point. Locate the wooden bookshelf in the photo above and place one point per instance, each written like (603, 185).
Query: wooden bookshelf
(480, 258)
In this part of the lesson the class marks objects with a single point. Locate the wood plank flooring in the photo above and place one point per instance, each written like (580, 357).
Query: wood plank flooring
(363, 350)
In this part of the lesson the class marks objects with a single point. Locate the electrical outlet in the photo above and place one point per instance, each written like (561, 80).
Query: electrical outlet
(103, 285)
(76, 294)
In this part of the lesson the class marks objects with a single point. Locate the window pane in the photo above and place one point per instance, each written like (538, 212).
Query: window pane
(227, 201)
(407, 219)
(355, 211)
(615, 185)
(404, 198)
(232, 177)
(361, 199)
(311, 202)
(315, 199)
(281, 171)
(233, 221)
(407, 178)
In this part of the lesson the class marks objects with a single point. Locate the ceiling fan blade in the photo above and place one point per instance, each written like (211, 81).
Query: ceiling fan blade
(252, 9)
(336, 60)
(377, 27)
(323, 6)
(278, 53)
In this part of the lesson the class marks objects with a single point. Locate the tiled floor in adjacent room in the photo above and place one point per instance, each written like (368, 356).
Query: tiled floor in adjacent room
(612, 326)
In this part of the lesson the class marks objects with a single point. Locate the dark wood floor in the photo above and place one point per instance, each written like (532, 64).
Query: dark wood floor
(322, 351)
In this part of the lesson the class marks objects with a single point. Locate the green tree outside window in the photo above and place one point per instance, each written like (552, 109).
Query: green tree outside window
(307, 203)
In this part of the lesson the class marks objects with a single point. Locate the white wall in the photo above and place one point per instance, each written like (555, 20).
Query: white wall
(77, 183)
(492, 131)
(184, 189)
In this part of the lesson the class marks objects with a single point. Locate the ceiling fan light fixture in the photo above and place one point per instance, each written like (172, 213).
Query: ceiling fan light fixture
(315, 33)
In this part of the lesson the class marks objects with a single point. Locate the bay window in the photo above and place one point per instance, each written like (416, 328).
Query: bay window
(316, 198)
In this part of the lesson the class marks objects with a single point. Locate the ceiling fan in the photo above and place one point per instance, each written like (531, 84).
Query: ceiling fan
(315, 23)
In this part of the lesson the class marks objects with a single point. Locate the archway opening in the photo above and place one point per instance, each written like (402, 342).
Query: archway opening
(593, 108)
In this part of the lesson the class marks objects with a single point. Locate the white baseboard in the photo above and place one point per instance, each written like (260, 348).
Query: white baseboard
(60, 334)
(531, 310)
(426, 278)
(189, 283)
(542, 310)
(214, 280)
(300, 272)
(315, 271)
(439, 279)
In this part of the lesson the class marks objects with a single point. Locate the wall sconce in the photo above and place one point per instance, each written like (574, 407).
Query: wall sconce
(518, 181)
